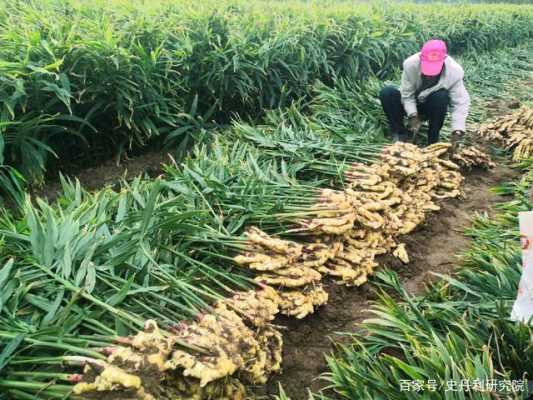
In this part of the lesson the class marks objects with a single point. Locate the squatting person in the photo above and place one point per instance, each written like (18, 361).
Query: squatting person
(431, 82)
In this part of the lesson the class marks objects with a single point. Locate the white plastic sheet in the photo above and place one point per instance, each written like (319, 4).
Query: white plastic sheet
(523, 306)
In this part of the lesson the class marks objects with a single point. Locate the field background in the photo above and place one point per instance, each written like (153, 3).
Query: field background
(83, 81)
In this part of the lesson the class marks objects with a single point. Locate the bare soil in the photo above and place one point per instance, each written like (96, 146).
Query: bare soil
(432, 248)
(500, 107)
(106, 173)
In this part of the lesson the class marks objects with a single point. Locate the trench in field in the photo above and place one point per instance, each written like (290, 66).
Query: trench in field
(432, 248)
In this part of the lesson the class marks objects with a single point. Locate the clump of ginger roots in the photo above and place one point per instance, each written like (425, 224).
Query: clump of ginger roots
(294, 275)
(200, 359)
(471, 156)
(391, 197)
(350, 228)
(515, 131)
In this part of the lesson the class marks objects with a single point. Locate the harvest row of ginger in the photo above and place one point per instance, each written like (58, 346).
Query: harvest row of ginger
(235, 343)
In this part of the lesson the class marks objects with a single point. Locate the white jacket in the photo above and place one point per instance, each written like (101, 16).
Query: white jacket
(451, 79)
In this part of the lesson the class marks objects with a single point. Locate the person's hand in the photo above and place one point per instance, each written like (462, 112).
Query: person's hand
(414, 123)
(456, 139)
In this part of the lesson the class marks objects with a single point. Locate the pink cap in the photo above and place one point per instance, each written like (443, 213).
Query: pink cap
(432, 57)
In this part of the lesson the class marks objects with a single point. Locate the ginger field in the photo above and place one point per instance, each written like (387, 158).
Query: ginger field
(280, 185)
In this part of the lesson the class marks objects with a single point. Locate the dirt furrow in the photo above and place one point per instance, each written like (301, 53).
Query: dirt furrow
(104, 173)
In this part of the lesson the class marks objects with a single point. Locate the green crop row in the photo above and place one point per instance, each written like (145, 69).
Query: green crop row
(83, 80)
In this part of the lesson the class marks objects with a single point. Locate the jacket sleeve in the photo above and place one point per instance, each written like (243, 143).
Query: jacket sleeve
(459, 103)
(408, 90)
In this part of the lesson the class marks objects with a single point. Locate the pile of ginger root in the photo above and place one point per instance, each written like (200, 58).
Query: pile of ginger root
(211, 357)
(514, 131)
(380, 203)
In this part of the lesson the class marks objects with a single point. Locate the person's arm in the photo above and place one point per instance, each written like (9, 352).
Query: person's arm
(460, 104)
(408, 90)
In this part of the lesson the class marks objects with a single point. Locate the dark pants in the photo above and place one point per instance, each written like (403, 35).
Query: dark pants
(433, 109)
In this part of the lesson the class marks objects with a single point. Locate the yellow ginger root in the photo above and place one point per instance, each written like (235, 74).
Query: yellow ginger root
(375, 240)
(152, 343)
(131, 357)
(228, 388)
(505, 126)
(335, 214)
(471, 156)
(109, 379)
(286, 247)
(358, 197)
(293, 276)
(516, 138)
(267, 358)
(393, 222)
(404, 159)
(207, 371)
(344, 270)
(364, 180)
(125, 366)
(450, 179)
(443, 194)
(437, 149)
(429, 206)
(258, 306)
(400, 152)
(421, 202)
(332, 225)
(382, 201)
(228, 346)
(348, 273)
(351, 254)
(515, 130)
(151, 337)
(525, 117)
(299, 304)
(524, 149)
(316, 254)
(268, 253)
(490, 133)
(366, 175)
(329, 226)
(448, 164)
(411, 223)
(255, 371)
(401, 253)
(271, 341)
(227, 340)
(369, 219)
(424, 181)
(262, 262)
(318, 295)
